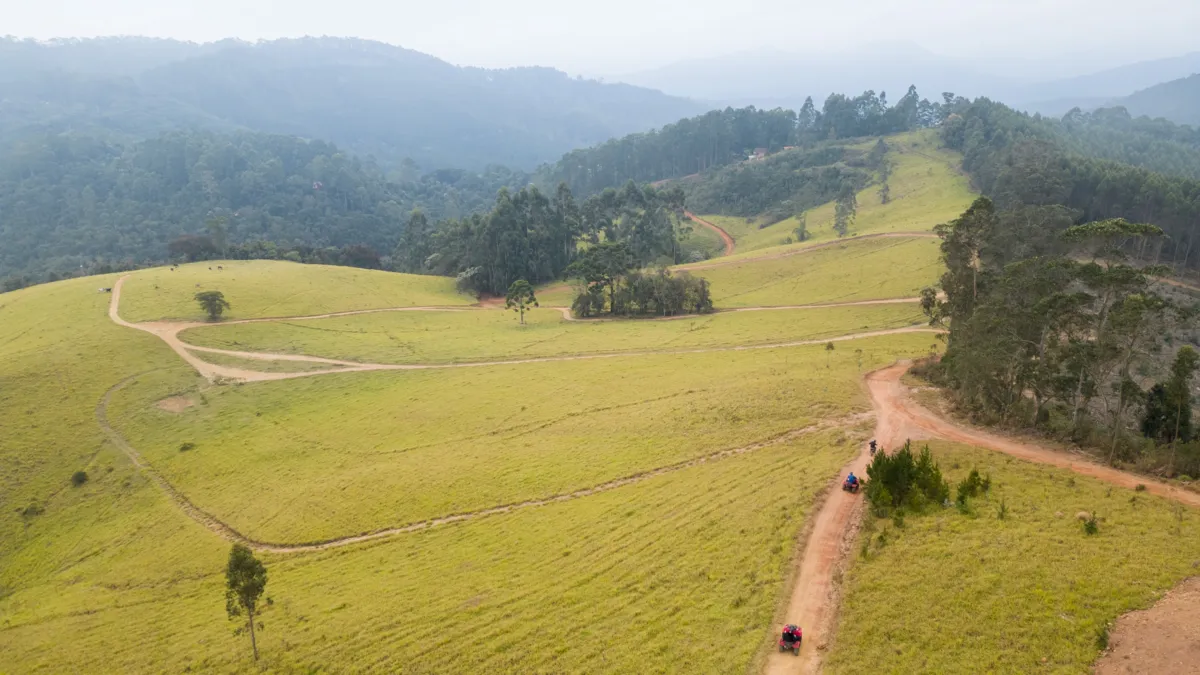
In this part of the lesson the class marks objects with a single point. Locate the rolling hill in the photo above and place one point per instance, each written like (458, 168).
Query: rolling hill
(1177, 100)
(372, 98)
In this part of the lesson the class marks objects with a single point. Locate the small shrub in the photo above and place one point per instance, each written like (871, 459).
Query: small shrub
(79, 478)
(184, 447)
(898, 519)
(901, 479)
(31, 511)
(1002, 511)
(1140, 488)
(1090, 526)
(1102, 638)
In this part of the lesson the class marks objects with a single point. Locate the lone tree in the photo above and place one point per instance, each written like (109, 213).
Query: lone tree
(845, 210)
(520, 298)
(245, 579)
(213, 303)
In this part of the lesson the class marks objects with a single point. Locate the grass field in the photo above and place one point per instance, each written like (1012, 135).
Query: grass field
(259, 288)
(111, 577)
(856, 270)
(704, 240)
(311, 459)
(425, 337)
(927, 188)
(606, 584)
(261, 365)
(1029, 593)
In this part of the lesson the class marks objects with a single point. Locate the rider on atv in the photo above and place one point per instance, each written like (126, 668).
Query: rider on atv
(872, 446)
(792, 636)
(851, 484)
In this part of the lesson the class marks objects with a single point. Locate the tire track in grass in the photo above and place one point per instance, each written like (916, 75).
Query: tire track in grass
(229, 533)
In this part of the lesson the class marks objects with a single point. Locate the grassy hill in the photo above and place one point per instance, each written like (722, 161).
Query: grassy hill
(1024, 593)
(621, 486)
(268, 288)
(337, 455)
(927, 187)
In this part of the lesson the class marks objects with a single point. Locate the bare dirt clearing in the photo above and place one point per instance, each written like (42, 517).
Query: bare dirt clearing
(1162, 639)
(175, 404)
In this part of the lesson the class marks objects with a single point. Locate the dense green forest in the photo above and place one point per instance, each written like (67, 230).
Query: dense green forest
(1018, 159)
(370, 98)
(723, 137)
(1058, 327)
(532, 236)
(71, 201)
(786, 183)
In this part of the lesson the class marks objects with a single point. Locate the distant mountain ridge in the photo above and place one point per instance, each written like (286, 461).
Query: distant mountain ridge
(369, 97)
(1177, 100)
(769, 78)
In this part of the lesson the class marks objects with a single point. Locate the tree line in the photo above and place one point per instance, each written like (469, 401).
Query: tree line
(723, 137)
(72, 203)
(1017, 159)
(1056, 326)
(535, 237)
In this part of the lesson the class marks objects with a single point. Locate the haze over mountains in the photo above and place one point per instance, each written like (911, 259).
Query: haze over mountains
(369, 97)
(772, 77)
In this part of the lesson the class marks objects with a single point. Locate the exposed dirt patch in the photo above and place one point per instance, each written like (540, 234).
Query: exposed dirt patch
(1162, 639)
(175, 404)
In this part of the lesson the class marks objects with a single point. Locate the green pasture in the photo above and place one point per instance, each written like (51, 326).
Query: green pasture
(1027, 593)
(261, 288)
(868, 269)
(490, 335)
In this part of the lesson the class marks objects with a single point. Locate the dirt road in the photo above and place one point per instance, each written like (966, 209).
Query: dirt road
(729, 245)
(169, 333)
(898, 418)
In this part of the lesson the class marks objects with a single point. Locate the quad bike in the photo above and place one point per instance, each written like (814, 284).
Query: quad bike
(851, 485)
(790, 641)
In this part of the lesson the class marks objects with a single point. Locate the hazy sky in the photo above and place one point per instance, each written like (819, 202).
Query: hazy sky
(616, 36)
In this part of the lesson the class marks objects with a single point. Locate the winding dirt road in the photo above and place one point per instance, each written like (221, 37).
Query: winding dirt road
(898, 418)
(728, 240)
(169, 333)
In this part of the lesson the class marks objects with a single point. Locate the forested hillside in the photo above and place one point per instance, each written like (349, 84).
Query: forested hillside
(371, 98)
(1017, 159)
(1177, 100)
(723, 137)
(71, 201)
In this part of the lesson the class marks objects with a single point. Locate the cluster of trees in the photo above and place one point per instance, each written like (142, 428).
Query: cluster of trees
(787, 182)
(193, 247)
(1020, 160)
(724, 137)
(1053, 325)
(69, 202)
(529, 235)
(1112, 133)
(612, 282)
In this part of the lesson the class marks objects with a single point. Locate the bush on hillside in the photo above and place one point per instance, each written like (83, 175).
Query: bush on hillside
(79, 478)
(904, 480)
